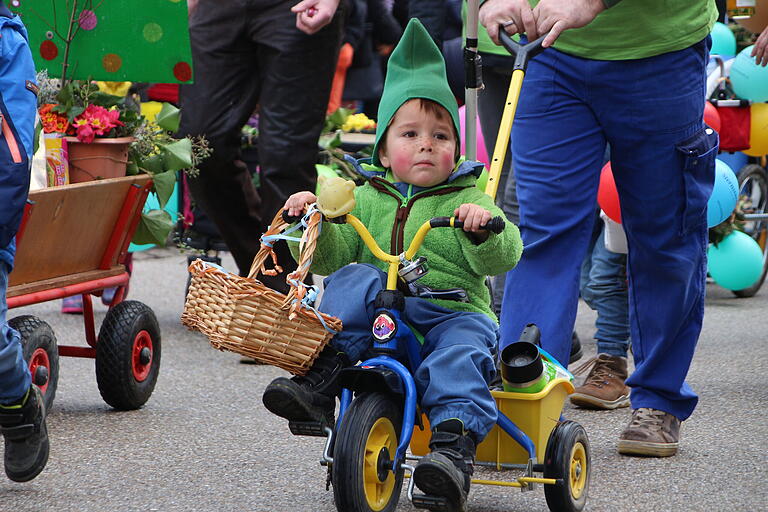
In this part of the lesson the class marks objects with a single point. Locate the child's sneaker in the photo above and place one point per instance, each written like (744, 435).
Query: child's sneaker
(26, 436)
(312, 397)
(72, 305)
(447, 470)
(651, 432)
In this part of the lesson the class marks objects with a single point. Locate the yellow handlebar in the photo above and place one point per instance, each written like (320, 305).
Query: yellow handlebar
(496, 225)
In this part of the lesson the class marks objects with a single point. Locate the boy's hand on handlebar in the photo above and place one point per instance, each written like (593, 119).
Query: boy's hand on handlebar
(473, 216)
(515, 15)
(295, 204)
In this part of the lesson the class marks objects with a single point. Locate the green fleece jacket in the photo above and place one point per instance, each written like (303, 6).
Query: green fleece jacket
(393, 218)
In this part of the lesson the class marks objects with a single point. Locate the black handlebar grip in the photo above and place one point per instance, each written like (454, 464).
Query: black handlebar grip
(495, 225)
(291, 219)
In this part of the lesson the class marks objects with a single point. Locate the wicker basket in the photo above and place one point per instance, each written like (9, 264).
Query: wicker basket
(242, 315)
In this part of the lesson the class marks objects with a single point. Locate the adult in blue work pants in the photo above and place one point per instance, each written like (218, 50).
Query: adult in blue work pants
(662, 160)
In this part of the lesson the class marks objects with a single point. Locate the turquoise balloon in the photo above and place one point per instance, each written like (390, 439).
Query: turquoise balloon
(750, 81)
(725, 193)
(736, 263)
(723, 40)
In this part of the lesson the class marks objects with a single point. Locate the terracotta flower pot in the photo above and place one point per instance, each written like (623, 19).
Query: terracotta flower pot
(100, 159)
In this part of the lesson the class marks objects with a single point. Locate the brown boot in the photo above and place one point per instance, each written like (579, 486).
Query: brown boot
(604, 386)
(651, 432)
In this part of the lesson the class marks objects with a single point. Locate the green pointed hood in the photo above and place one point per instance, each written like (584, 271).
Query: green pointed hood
(416, 69)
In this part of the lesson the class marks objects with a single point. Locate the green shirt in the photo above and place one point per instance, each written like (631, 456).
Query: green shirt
(636, 29)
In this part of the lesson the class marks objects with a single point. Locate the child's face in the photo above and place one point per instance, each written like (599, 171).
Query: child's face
(419, 147)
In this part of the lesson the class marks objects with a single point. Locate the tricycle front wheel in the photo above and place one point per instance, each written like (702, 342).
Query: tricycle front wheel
(567, 459)
(364, 448)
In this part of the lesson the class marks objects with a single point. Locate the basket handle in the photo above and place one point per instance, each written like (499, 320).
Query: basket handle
(307, 247)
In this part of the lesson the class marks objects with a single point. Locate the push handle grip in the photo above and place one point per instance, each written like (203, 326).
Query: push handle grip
(495, 225)
(523, 53)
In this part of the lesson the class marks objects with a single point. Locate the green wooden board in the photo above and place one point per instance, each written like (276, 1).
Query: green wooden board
(115, 40)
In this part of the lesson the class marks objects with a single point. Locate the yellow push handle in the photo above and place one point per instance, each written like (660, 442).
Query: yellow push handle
(522, 53)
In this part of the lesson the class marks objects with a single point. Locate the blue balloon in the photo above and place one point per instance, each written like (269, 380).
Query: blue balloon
(750, 81)
(723, 40)
(737, 262)
(725, 193)
(735, 160)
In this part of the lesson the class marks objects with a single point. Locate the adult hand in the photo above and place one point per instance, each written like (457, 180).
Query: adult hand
(760, 51)
(515, 15)
(312, 15)
(555, 16)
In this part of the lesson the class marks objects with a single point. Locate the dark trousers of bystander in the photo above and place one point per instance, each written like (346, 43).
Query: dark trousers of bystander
(248, 53)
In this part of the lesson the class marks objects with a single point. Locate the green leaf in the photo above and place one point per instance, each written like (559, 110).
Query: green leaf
(106, 100)
(132, 169)
(38, 132)
(168, 118)
(164, 183)
(177, 155)
(154, 228)
(154, 164)
(74, 112)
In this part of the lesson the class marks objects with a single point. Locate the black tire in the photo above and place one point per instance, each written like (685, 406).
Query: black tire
(41, 353)
(128, 355)
(567, 458)
(753, 184)
(370, 425)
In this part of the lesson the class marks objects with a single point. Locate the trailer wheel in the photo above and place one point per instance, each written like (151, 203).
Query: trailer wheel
(41, 354)
(128, 355)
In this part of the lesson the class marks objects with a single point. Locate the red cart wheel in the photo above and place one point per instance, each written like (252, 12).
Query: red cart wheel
(128, 355)
(41, 354)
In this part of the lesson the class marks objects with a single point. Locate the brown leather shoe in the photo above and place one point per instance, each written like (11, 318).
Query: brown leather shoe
(651, 432)
(604, 386)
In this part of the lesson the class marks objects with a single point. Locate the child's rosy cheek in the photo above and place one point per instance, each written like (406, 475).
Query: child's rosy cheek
(401, 161)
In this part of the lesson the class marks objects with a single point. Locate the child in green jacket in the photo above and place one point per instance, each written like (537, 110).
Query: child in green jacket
(415, 177)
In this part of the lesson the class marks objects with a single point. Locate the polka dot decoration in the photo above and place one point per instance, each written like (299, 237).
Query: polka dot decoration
(183, 72)
(153, 47)
(48, 50)
(112, 62)
(88, 20)
(152, 32)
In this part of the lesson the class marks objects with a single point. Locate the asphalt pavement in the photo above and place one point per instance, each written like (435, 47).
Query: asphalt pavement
(204, 442)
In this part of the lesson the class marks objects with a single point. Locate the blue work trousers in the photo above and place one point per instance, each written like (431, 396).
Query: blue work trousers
(457, 353)
(14, 373)
(650, 111)
(603, 287)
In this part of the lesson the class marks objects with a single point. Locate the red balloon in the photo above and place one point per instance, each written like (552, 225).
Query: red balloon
(711, 116)
(607, 195)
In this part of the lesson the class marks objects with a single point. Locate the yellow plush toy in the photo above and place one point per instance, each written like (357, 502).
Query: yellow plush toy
(337, 196)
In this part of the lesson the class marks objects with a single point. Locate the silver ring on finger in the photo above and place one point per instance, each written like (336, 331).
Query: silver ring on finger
(508, 23)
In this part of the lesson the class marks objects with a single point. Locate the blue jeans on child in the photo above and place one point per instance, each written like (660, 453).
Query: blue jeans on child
(603, 287)
(458, 364)
(14, 373)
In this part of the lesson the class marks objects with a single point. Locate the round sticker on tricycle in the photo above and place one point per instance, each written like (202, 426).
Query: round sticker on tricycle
(384, 327)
